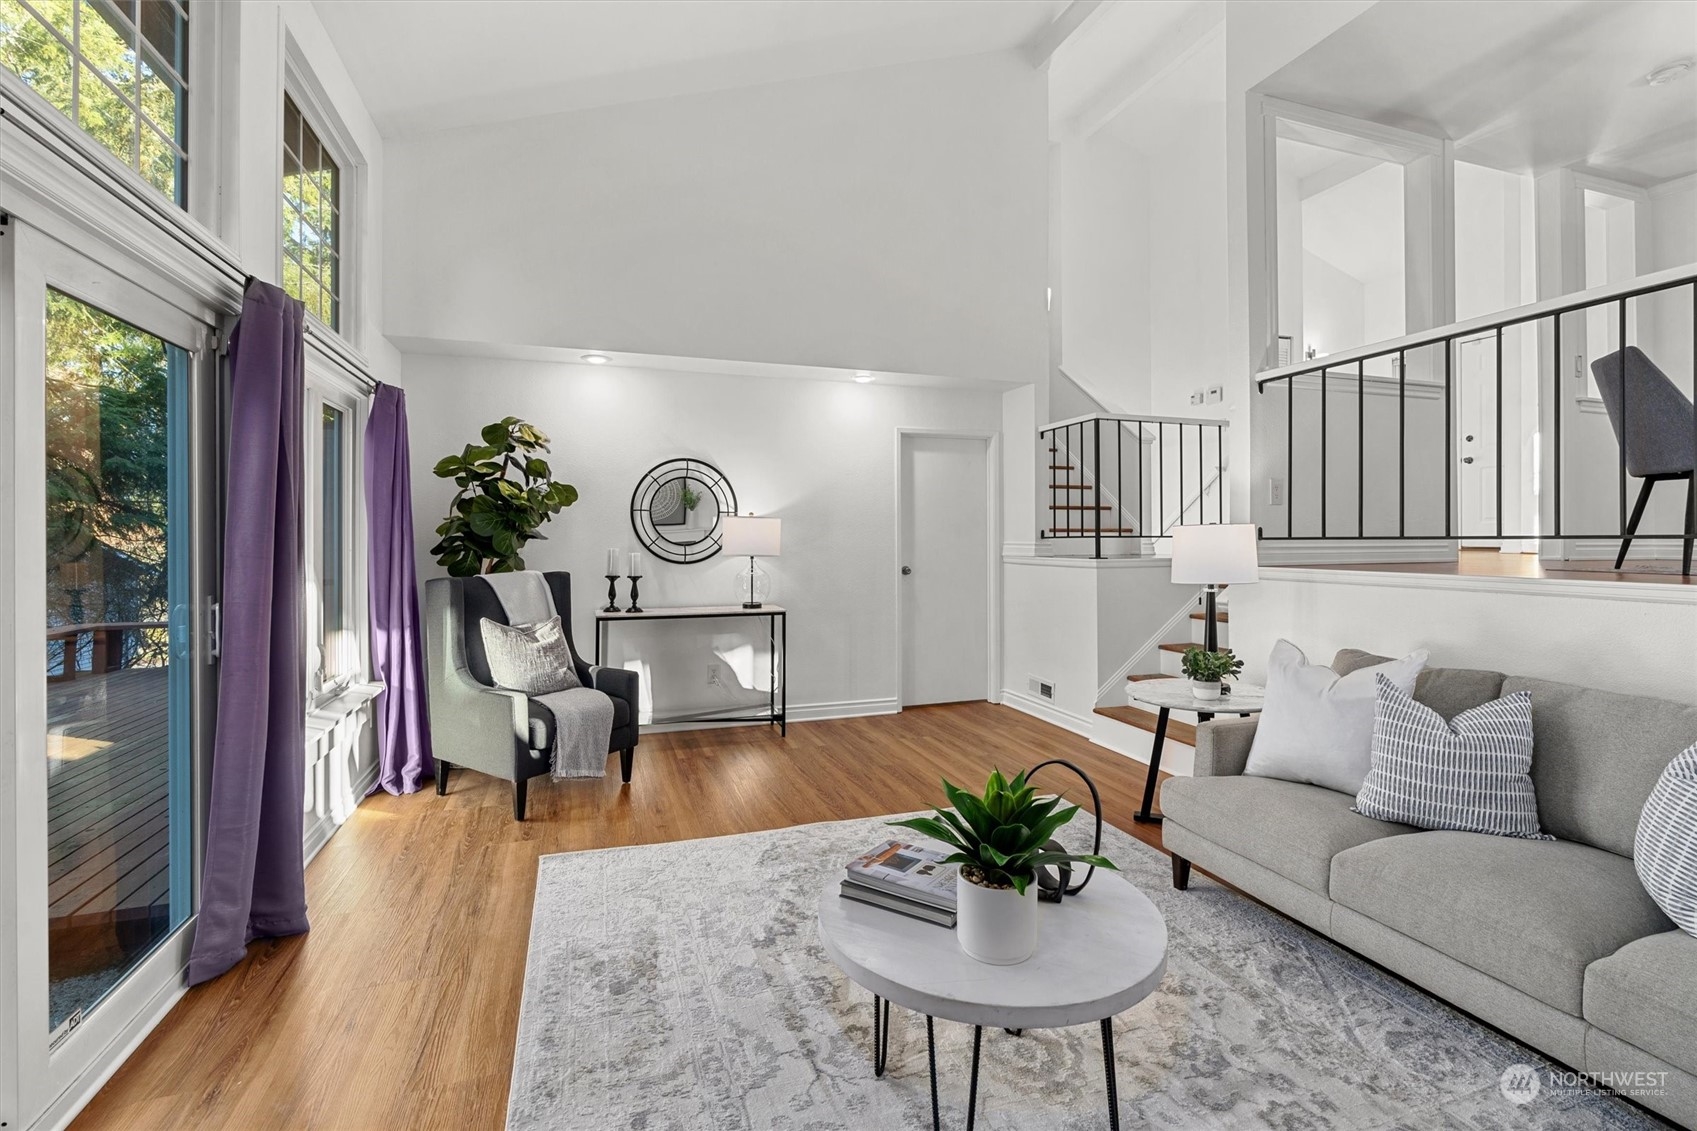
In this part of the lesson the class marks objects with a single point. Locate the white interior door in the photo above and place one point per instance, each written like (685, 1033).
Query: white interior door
(945, 569)
(1476, 450)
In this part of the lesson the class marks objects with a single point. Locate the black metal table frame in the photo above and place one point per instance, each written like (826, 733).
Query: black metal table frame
(1145, 816)
(777, 633)
(881, 1057)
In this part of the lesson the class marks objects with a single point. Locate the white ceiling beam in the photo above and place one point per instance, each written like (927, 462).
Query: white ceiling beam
(1147, 69)
(1042, 46)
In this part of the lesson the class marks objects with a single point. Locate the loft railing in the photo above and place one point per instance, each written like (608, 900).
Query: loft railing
(1117, 477)
(1438, 457)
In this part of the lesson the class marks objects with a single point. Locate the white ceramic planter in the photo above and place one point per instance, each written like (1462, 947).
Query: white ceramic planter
(1201, 690)
(996, 925)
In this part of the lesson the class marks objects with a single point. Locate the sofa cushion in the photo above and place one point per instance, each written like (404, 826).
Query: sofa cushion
(1646, 993)
(1286, 827)
(1448, 691)
(1531, 913)
(542, 722)
(1596, 755)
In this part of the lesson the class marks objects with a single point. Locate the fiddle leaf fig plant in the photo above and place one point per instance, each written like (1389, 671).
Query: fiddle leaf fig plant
(506, 492)
(1209, 667)
(1001, 838)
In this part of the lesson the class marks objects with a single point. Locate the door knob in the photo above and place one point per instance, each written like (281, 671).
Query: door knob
(1469, 439)
(1466, 459)
(906, 570)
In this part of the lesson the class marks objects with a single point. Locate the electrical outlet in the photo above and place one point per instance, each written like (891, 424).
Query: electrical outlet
(1196, 397)
(1275, 492)
(1216, 394)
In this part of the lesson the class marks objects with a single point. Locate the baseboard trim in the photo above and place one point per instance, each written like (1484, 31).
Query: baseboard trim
(1653, 592)
(800, 713)
(1322, 551)
(1604, 549)
(1047, 712)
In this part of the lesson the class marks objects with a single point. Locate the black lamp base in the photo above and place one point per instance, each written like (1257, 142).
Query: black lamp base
(752, 605)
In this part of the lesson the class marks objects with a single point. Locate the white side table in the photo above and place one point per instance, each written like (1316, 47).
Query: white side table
(1099, 953)
(1169, 695)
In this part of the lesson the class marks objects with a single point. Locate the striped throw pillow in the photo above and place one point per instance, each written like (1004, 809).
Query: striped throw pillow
(1665, 850)
(1472, 773)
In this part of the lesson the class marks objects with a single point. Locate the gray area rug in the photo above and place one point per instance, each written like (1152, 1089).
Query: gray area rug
(683, 986)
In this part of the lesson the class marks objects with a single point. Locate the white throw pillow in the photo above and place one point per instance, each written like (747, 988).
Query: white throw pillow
(1317, 726)
(532, 658)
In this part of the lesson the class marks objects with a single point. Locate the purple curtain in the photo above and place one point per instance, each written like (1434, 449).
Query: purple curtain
(397, 645)
(253, 882)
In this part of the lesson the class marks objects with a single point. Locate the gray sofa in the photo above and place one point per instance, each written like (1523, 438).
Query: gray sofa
(1554, 942)
(478, 726)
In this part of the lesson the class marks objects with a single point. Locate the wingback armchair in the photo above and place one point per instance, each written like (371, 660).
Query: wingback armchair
(478, 726)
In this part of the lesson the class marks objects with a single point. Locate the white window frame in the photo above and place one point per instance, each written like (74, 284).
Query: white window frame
(315, 105)
(327, 387)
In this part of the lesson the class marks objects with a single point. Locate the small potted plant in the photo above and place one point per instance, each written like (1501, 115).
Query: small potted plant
(689, 499)
(1208, 670)
(1000, 840)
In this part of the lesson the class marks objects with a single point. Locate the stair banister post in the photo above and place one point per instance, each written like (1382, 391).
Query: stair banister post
(1096, 480)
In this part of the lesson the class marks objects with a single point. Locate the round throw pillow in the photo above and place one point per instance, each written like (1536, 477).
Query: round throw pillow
(1665, 850)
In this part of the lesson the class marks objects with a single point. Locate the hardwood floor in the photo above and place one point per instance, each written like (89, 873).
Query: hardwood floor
(399, 1008)
(1492, 563)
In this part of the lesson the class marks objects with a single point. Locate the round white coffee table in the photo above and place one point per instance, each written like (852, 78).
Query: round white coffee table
(1098, 954)
(1169, 695)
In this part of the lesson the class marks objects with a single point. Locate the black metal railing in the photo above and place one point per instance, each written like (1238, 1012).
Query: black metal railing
(1112, 476)
(1418, 494)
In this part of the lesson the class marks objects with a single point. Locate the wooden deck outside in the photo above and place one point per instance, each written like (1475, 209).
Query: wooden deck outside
(108, 816)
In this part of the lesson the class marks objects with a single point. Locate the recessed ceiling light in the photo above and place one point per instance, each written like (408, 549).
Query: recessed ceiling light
(596, 358)
(862, 376)
(1663, 75)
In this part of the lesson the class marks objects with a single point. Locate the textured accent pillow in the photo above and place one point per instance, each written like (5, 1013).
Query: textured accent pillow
(532, 658)
(1665, 850)
(1472, 774)
(1317, 726)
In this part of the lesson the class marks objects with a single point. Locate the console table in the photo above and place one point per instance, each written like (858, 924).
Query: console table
(778, 629)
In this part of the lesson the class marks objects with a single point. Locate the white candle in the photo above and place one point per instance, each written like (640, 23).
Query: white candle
(635, 564)
(612, 563)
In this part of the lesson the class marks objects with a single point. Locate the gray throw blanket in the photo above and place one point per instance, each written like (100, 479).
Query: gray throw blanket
(583, 716)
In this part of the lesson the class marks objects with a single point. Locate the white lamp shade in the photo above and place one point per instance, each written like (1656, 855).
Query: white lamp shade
(757, 537)
(1215, 555)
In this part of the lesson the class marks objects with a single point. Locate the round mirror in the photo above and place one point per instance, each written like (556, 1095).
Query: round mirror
(678, 510)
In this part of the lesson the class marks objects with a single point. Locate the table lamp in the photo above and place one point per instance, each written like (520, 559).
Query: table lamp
(756, 537)
(1212, 556)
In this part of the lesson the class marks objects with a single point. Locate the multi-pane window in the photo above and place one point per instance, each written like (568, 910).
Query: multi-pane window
(312, 218)
(335, 639)
(117, 68)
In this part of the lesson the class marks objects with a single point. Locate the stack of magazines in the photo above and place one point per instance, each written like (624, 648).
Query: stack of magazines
(906, 879)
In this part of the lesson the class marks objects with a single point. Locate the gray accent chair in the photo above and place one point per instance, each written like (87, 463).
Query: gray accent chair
(1554, 942)
(1656, 427)
(478, 726)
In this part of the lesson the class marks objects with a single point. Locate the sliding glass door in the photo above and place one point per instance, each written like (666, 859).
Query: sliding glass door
(114, 567)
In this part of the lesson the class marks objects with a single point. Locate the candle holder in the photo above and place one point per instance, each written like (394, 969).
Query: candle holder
(612, 593)
(634, 607)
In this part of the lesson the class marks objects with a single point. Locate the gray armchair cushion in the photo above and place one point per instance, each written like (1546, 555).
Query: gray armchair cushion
(1531, 913)
(1286, 827)
(1646, 993)
(1448, 691)
(1650, 416)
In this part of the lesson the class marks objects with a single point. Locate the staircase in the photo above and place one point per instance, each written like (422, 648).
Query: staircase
(1181, 725)
(1078, 512)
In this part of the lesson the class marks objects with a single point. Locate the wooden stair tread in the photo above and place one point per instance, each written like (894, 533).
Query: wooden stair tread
(1062, 467)
(1087, 531)
(1069, 486)
(1080, 507)
(1221, 617)
(1147, 720)
(1139, 678)
(1181, 649)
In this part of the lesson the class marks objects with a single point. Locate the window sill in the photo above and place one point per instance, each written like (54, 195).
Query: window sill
(327, 711)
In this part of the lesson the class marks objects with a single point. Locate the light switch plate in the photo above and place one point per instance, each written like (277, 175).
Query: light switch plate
(1275, 492)
(1196, 397)
(1216, 394)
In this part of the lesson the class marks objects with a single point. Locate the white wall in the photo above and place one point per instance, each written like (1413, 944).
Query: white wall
(1585, 632)
(1333, 306)
(1100, 198)
(820, 455)
(891, 219)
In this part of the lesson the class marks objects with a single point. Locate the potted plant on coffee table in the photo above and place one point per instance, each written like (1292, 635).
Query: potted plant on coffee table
(1000, 840)
(1208, 670)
